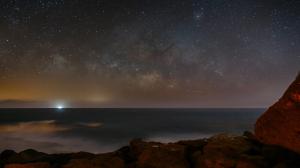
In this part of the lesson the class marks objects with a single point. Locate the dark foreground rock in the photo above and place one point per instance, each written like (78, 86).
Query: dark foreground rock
(223, 151)
(153, 154)
(98, 161)
(29, 165)
(220, 151)
(280, 124)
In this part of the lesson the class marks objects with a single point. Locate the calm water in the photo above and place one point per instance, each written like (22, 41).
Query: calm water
(101, 130)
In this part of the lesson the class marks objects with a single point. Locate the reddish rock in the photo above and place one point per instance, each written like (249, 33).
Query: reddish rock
(251, 162)
(158, 155)
(193, 145)
(222, 151)
(280, 124)
(82, 155)
(28, 165)
(100, 161)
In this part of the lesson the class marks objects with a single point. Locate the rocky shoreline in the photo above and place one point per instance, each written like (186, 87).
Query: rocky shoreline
(220, 151)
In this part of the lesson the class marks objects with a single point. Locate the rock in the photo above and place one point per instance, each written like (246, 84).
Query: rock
(82, 155)
(193, 145)
(126, 154)
(276, 155)
(25, 156)
(222, 151)
(280, 124)
(251, 162)
(100, 161)
(250, 135)
(31, 155)
(158, 155)
(6, 154)
(55, 160)
(28, 165)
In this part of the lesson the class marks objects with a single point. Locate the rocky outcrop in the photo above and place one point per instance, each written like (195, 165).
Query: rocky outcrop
(220, 151)
(28, 155)
(280, 124)
(158, 155)
(223, 151)
(100, 161)
(28, 165)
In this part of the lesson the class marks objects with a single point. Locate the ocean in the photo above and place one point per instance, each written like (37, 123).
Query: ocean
(103, 130)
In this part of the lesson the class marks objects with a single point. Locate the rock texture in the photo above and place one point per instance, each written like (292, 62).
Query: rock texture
(220, 151)
(100, 161)
(158, 155)
(280, 124)
(29, 165)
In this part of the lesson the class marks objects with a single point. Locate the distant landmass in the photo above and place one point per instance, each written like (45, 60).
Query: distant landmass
(8, 103)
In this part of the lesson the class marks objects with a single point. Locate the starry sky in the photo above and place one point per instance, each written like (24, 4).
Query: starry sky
(149, 53)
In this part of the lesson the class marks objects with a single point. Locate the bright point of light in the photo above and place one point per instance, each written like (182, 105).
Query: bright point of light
(59, 107)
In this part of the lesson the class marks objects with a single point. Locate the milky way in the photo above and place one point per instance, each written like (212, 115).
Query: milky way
(167, 53)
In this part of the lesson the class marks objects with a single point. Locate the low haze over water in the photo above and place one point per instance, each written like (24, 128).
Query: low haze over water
(101, 130)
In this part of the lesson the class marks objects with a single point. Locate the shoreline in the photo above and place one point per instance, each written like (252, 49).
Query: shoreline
(224, 150)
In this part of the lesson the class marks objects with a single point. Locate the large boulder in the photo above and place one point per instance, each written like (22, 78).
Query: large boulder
(280, 124)
(31, 155)
(226, 151)
(158, 155)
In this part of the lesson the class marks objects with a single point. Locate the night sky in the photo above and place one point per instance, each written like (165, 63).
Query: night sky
(147, 53)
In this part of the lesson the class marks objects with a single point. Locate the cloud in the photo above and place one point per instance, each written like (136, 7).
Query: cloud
(35, 127)
(166, 138)
(8, 103)
(49, 136)
(91, 124)
(52, 144)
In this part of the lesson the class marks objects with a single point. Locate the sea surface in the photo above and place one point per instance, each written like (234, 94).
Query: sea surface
(103, 130)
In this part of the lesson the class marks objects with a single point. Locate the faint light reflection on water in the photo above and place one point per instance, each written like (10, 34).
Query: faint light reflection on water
(103, 130)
